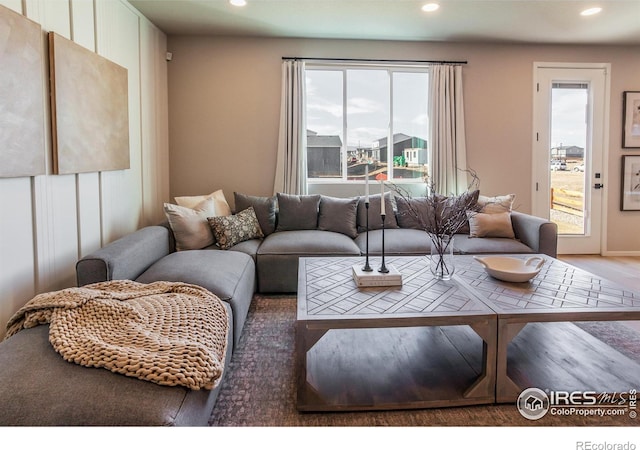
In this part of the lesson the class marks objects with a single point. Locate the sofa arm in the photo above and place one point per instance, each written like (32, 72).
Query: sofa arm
(541, 235)
(125, 258)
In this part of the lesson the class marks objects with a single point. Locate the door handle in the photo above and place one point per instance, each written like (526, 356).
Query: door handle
(598, 186)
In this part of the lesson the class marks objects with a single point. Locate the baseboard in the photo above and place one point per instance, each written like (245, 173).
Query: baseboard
(621, 253)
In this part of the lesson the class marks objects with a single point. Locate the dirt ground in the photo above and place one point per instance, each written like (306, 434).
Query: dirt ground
(572, 181)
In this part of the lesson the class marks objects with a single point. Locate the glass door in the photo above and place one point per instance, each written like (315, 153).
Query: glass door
(568, 170)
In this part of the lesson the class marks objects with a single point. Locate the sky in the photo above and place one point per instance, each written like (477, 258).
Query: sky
(368, 100)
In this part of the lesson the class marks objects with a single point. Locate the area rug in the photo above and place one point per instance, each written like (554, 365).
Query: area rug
(259, 387)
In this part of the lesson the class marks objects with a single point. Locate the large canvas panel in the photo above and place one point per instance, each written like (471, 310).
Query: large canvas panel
(90, 118)
(22, 144)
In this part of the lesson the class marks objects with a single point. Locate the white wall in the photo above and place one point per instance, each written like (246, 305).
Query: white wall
(48, 222)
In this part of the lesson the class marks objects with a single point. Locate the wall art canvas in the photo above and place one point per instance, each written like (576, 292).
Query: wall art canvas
(22, 101)
(631, 120)
(630, 200)
(89, 109)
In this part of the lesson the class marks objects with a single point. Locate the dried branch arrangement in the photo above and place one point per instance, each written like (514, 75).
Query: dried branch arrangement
(441, 217)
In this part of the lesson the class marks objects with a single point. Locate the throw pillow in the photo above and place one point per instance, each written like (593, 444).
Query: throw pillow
(231, 230)
(497, 204)
(375, 219)
(264, 208)
(468, 198)
(490, 225)
(297, 212)
(414, 212)
(220, 202)
(338, 215)
(190, 227)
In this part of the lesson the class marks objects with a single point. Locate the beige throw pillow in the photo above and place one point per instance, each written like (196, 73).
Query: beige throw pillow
(220, 202)
(490, 225)
(497, 204)
(190, 227)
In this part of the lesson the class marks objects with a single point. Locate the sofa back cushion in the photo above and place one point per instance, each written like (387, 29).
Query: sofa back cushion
(338, 215)
(414, 213)
(264, 208)
(297, 212)
(375, 219)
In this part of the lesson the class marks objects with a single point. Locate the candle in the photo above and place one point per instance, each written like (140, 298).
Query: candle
(382, 212)
(366, 183)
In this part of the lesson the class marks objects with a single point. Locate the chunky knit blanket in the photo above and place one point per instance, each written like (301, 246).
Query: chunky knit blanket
(172, 334)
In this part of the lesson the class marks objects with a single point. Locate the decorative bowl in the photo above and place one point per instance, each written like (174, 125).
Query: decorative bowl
(507, 268)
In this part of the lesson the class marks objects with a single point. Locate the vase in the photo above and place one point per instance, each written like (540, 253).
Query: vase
(441, 262)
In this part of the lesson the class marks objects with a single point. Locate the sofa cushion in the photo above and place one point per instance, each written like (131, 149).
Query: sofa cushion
(338, 215)
(190, 227)
(230, 275)
(448, 206)
(308, 243)
(375, 219)
(414, 213)
(297, 212)
(490, 225)
(39, 388)
(264, 207)
(231, 230)
(466, 245)
(405, 241)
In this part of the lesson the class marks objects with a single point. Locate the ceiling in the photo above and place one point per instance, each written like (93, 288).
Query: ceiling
(508, 21)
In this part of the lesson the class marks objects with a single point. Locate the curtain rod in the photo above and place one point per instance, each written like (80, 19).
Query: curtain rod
(296, 58)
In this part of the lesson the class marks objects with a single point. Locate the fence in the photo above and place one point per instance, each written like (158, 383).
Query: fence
(571, 202)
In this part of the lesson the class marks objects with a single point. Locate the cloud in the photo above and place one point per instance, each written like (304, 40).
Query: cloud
(359, 105)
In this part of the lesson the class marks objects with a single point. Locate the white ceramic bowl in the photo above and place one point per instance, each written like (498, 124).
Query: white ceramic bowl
(507, 268)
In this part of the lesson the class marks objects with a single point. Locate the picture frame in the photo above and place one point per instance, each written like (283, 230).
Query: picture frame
(630, 195)
(89, 109)
(631, 119)
(22, 96)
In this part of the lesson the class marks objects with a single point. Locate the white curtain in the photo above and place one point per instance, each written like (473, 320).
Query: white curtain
(291, 165)
(448, 154)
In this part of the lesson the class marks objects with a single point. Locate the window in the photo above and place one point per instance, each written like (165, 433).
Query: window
(371, 115)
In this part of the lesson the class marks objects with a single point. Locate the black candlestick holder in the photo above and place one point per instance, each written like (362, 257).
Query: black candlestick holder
(367, 267)
(383, 267)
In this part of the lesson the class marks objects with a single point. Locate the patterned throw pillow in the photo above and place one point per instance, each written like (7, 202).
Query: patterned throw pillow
(231, 230)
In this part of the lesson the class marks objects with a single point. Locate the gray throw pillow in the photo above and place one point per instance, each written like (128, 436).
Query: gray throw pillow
(415, 213)
(297, 212)
(375, 219)
(338, 215)
(264, 208)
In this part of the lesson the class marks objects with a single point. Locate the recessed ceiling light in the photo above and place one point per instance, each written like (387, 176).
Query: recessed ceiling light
(591, 11)
(238, 2)
(430, 7)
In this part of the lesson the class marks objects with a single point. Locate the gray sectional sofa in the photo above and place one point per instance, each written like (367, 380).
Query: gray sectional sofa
(37, 387)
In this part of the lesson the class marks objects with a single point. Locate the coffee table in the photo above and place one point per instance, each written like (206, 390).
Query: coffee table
(375, 348)
(429, 343)
(559, 293)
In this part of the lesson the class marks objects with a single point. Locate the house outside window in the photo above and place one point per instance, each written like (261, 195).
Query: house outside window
(354, 111)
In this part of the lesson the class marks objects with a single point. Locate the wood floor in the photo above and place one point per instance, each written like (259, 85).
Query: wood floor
(624, 270)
